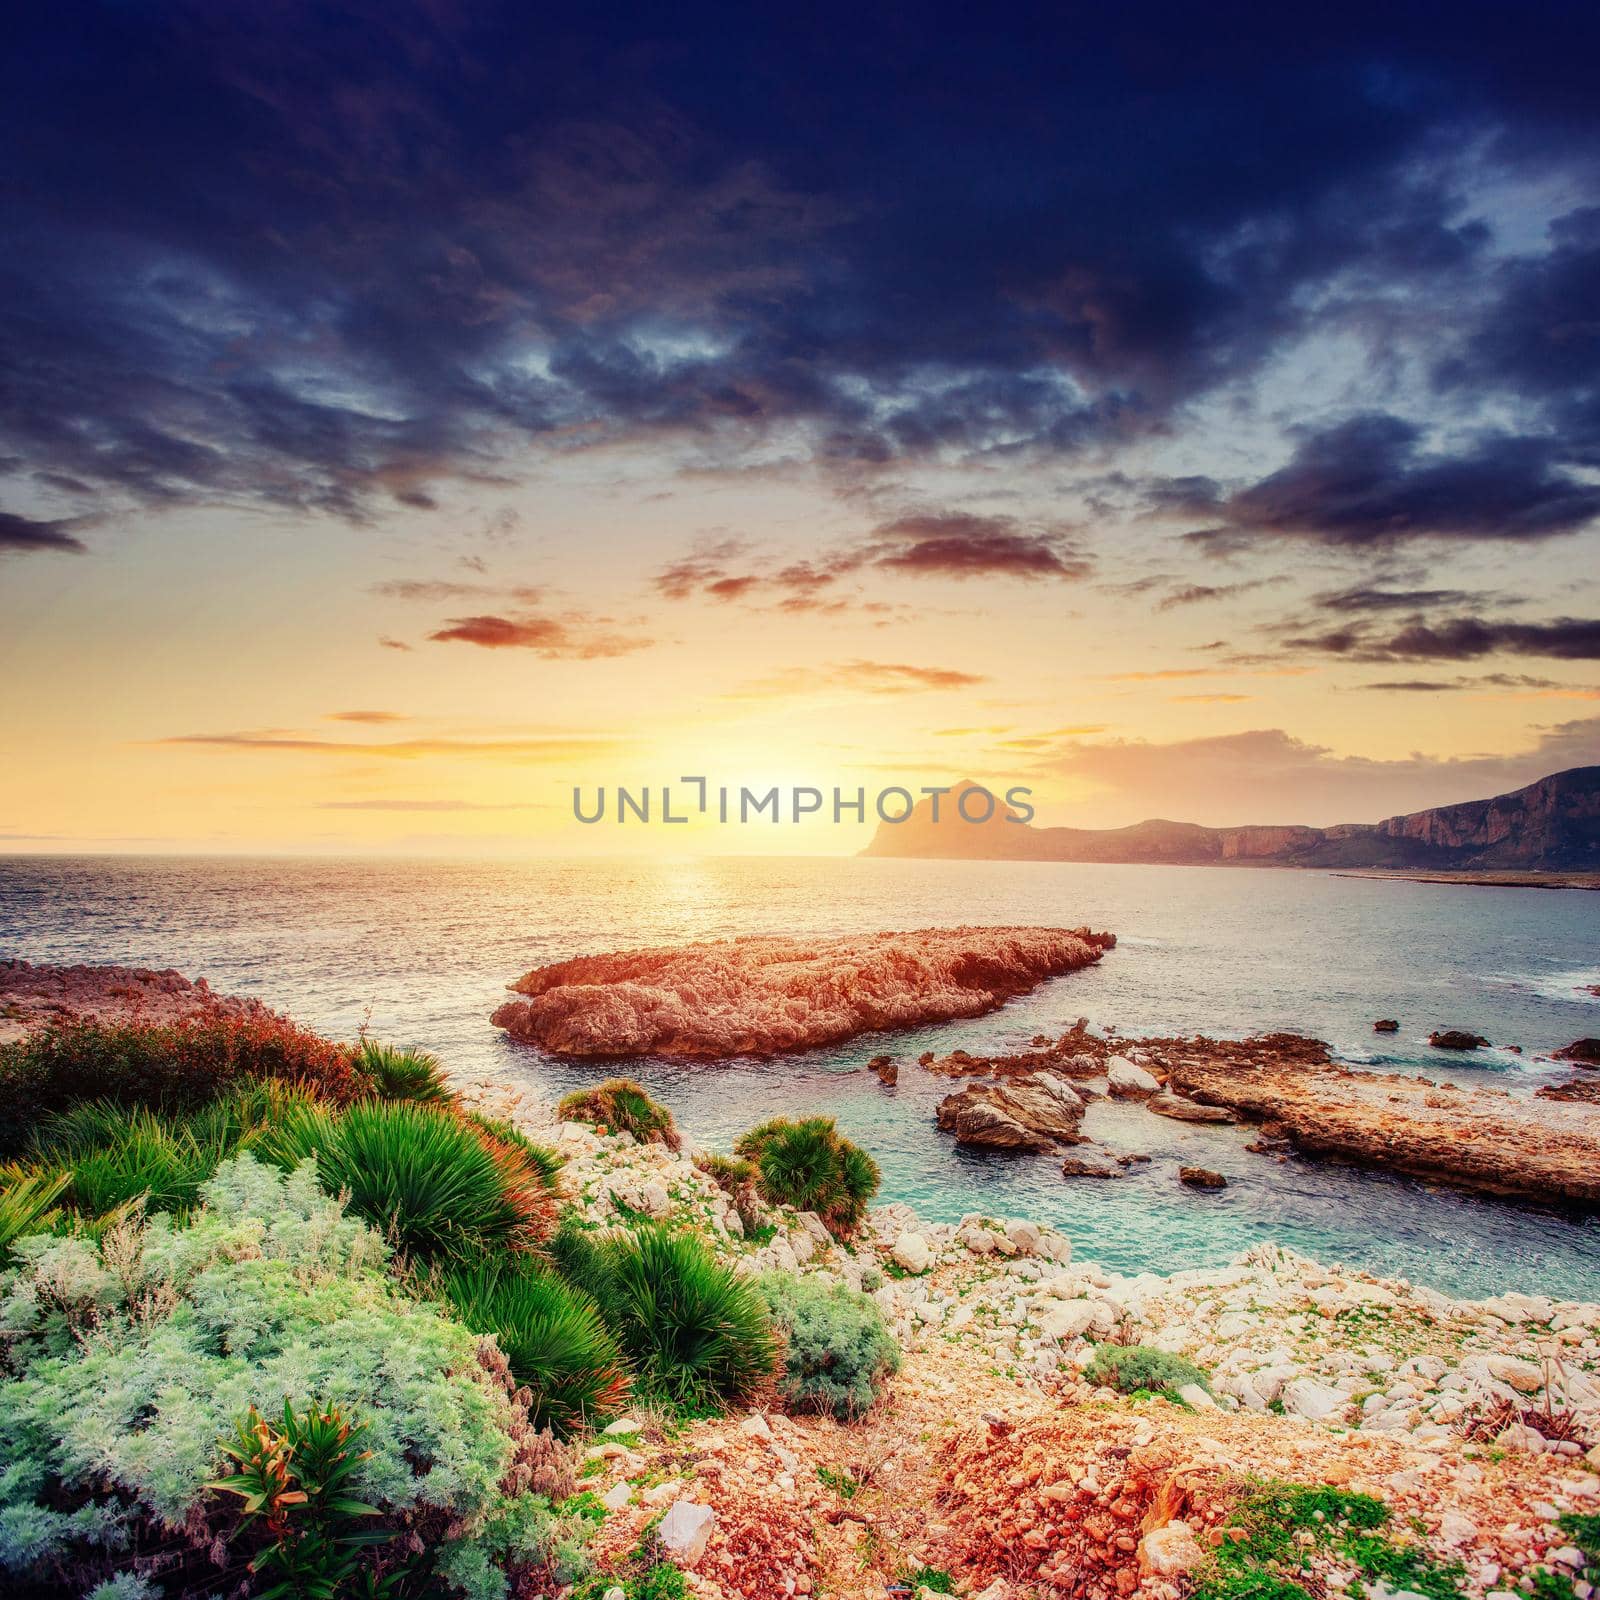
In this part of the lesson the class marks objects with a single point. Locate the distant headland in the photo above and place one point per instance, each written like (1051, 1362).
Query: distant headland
(1552, 826)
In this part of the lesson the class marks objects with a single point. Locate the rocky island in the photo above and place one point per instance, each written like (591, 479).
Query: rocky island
(759, 996)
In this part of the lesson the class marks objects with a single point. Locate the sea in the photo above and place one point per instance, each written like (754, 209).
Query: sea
(420, 953)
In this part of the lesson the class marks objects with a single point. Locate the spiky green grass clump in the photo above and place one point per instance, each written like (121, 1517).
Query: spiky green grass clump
(622, 1106)
(1135, 1368)
(27, 1205)
(398, 1074)
(837, 1350)
(431, 1184)
(551, 1333)
(108, 1156)
(809, 1165)
(697, 1335)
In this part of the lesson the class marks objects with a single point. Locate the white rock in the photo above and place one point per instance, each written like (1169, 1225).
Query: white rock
(1069, 1320)
(1198, 1398)
(623, 1425)
(1026, 1236)
(911, 1252)
(1126, 1081)
(685, 1531)
(617, 1496)
(1315, 1401)
(1170, 1550)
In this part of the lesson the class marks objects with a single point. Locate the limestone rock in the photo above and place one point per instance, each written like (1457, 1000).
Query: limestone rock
(1183, 1109)
(685, 1531)
(1031, 1112)
(1126, 1081)
(1170, 1551)
(1202, 1178)
(911, 1252)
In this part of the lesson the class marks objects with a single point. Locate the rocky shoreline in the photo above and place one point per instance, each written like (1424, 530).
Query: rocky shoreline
(35, 996)
(995, 1458)
(1544, 1148)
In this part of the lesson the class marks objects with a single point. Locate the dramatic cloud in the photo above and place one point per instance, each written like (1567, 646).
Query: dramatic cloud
(1369, 483)
(548, 636)
(340, 263)
(1459, 639)
(963, 545)
(29, 534)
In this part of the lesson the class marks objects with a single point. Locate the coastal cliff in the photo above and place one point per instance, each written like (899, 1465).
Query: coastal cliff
(1551, 825)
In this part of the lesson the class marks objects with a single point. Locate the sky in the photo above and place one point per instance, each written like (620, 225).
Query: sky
(412, 412)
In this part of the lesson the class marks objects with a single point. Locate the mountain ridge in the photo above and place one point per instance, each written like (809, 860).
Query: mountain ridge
(1552, 824)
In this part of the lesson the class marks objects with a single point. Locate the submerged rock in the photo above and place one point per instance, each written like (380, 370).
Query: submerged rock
(1090, 1161)
(1386, 1025)
(1034, 1112)
(1182, 1109)
(1455, 1039)
(757, 996)
(1202, 1178)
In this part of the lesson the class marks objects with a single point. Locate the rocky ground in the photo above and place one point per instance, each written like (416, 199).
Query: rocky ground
(33, 997)
(757, 996)
(1544, 1147)
(992, 1459)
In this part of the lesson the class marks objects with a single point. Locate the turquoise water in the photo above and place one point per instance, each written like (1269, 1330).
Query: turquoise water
(423, 952)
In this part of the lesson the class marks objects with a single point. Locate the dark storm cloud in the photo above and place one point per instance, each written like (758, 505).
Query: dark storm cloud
(1369, 483)
(1458, 639)
(30, 534)
(335, 260)
(1540, 337)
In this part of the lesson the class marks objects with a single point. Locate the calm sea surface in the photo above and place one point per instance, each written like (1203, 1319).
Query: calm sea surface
(423, 951)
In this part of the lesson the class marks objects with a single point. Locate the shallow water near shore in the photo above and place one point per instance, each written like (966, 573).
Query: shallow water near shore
(422, 952)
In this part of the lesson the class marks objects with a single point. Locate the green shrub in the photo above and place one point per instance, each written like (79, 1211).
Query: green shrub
(810, 1166)
(174, 1067)
(1131, 1367)
(622, 1106)
(430, 1182)
(552, 1335)
(697, 1335)
(130, 1359)
(397, 1074)
(837, 1352)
